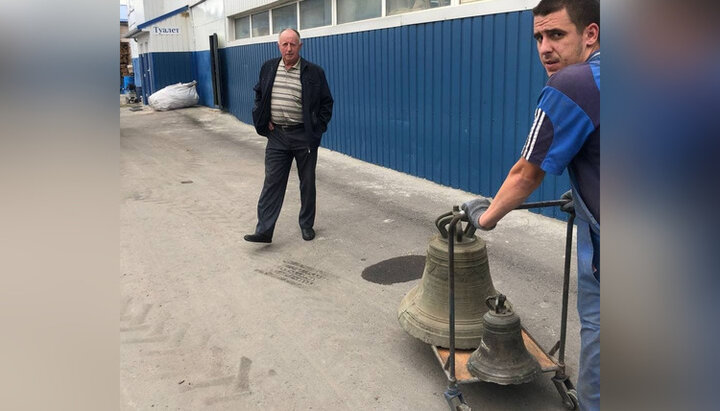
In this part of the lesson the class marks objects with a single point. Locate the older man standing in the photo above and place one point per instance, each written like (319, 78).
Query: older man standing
(293, 106)
(565, 134)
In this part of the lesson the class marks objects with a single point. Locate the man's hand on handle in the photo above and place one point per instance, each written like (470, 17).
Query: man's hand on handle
(474, 209)
(568, 207)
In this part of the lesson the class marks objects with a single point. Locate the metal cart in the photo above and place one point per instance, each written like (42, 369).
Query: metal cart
(454, 361)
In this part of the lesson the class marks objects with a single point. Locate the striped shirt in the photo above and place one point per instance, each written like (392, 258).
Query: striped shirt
(286, 97)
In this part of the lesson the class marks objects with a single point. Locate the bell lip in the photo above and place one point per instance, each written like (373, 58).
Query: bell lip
(468, 334)
(480, 365)
(507, 381)
(533, 371)
(467, 339)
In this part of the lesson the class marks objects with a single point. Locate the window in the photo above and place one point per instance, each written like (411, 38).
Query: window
(242, 27)
(261, 24)
(353, 10)
(315, 13)
(284, 17)
(404, 6)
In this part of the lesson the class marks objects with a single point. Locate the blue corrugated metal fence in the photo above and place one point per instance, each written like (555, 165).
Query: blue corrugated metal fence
(169, 68)
(180, 67)
(449, 101)
(203, 75)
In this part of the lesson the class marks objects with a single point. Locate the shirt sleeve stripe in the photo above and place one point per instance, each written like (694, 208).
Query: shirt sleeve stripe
(532, 139)
(527, 140)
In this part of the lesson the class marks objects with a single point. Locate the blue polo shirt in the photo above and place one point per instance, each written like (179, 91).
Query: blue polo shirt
(566, 129)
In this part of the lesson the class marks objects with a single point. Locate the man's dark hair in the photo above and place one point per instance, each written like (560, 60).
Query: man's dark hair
(582, 12)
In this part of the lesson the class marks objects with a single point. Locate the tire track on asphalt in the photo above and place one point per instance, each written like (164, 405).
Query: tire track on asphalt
(156, 333)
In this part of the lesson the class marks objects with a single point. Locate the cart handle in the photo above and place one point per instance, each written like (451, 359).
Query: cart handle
(540, 204)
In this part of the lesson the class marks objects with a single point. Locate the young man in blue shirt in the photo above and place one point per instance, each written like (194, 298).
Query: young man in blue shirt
(565, 134)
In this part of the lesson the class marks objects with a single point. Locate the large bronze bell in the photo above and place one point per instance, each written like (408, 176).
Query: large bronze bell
(502, 357)
(424, 312)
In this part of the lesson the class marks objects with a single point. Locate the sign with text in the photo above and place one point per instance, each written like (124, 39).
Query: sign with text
(166, 30)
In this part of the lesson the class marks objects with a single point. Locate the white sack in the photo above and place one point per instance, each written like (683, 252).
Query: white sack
(174, 96)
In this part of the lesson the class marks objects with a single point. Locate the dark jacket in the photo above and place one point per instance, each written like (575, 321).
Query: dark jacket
(317, 102)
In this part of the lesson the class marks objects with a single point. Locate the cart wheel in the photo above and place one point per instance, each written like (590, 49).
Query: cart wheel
(572, 394)
(458, 404)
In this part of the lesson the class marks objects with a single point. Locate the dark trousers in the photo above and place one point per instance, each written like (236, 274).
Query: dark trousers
(277, 170)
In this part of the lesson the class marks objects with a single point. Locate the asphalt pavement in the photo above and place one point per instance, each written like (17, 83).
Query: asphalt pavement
(209, 321)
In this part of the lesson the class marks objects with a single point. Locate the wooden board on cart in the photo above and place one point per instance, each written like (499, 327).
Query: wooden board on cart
(462, 357)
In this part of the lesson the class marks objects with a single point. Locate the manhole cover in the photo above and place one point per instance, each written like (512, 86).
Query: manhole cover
(396, 270)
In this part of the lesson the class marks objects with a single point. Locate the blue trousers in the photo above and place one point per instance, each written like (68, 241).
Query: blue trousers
(588, 303)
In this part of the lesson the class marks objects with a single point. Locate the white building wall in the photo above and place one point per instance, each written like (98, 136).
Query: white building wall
(456, 9)
(173, 34)
(238, 6)
(215, 16)
(156, 8)
(208, 18)
(136, 13)
(134, 50)
(143, 43)
(135, 16)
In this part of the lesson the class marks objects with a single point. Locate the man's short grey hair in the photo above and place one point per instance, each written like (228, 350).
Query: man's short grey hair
(289, 28)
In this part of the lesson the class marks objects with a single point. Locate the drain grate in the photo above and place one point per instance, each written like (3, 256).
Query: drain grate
(295, 273)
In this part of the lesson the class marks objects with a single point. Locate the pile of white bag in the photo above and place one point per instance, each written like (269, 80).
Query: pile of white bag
(174, 96)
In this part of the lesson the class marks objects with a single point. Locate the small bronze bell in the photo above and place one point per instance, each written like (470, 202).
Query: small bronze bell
(502, 357)
(424, 312)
